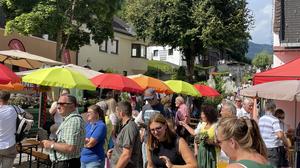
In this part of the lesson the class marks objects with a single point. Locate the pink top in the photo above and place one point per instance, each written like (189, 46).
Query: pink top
(182, 113)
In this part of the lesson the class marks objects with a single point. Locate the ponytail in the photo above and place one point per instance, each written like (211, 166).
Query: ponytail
(245, 131)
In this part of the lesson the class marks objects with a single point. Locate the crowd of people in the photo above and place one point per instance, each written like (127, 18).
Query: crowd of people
(117, 134)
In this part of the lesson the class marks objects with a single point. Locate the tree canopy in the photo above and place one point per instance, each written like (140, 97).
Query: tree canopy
(69, 22)
(194, 26)
(262, 60)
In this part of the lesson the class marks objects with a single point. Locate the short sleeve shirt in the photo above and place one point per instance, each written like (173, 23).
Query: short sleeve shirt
(72, 132)
(181, 113)
(268, 126)
(128, 138)
(8, 118)
(97, 131)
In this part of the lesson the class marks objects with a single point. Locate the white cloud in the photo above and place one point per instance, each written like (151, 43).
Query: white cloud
(267, 10)
(262, 31)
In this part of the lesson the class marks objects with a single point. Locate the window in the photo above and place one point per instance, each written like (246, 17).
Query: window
(138, 50)
(170, 51)
(143, 51)
(155, 53)
(103, 46)
(114, 46)
(134, 50)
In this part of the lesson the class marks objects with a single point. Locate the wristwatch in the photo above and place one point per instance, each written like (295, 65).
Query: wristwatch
(52, 146)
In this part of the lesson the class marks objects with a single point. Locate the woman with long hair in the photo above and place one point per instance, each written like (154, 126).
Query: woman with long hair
(207, 150)
(241, 140)
(113, 120)
(165, 148)
(93, 155)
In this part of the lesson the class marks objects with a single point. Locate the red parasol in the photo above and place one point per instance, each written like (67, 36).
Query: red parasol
(206, 90)
(7, 75)
(116, 82)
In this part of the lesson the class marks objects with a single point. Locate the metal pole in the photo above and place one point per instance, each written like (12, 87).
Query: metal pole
(296, 138)
(40, 109)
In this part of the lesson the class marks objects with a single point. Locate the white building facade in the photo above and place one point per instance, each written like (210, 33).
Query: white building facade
(167, 54)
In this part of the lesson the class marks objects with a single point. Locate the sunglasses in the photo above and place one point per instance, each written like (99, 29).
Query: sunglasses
(157, 129)
(63, 103)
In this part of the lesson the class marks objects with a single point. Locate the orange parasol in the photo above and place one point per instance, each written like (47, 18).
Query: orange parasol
(11, 86)
(149, 82)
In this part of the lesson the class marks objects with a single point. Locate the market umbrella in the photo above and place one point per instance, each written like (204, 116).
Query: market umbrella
(89, 73)
(116, 82)
(11, 86)
(288, 90)
(59, 77)
(149, 82)
(7, 75)
(206, 90)
(25, 59)
(182, 87)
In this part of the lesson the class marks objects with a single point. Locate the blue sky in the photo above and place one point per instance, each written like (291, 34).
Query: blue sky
(262, 30)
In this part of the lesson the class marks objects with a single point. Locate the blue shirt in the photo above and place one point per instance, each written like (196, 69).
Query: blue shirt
(98, 131)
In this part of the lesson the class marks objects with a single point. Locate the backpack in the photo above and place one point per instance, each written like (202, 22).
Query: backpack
(23, 124)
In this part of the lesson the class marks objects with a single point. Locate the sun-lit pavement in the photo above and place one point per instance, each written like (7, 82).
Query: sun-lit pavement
(25, 162)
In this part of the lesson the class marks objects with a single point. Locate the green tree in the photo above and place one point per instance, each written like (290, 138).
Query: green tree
(262, 60)
(224, 25)
(69, 22)
(193, 26)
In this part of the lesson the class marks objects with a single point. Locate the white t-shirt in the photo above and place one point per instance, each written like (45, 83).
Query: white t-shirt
(198, 128)
(58, 119)
(8, 118)
(114, 119)
(243, 113)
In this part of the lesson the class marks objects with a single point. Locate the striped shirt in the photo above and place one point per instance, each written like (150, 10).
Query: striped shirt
(72, 132)
(268, 126)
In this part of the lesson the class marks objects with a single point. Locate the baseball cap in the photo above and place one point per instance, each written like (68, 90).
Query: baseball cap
(149, 93)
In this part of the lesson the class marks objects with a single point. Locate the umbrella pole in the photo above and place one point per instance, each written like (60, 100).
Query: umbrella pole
(42, 109)
(295, 143)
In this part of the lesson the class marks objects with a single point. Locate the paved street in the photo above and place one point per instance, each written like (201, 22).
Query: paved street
(25, 162)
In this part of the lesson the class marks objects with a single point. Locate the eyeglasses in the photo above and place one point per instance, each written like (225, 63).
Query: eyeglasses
(157, 129)
(63, 103)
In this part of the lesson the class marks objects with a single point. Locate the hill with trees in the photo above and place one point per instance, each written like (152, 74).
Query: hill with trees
(255, 48)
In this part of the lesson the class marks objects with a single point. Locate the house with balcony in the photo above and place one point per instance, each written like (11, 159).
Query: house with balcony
(122, 54)
(286, 31)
